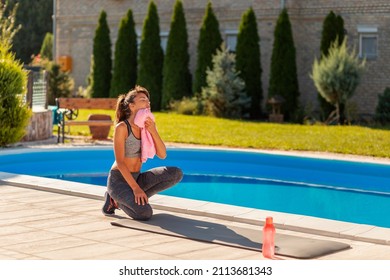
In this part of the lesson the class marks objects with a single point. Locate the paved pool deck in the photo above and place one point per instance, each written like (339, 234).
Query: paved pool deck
(42, 219)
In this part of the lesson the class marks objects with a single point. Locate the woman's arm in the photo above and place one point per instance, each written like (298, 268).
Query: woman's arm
(120, 135)
(161, 150)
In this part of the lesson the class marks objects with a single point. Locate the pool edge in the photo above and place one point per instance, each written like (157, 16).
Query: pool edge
(283, 221)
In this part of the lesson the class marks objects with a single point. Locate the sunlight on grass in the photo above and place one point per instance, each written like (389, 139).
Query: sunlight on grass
(260, 135)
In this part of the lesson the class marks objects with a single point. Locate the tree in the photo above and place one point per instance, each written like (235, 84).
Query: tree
(332, 30)
(125, 65)
(47, 47)
(382, 110)
(60, 83)
(35, 18)
(102, 58)
(176, 74)
(89, 78)
(224, 95)
(209, 41)
(336, 76)
(151, 57)
(283, 75)
(8, 30)
(248, 60)
(14, 113)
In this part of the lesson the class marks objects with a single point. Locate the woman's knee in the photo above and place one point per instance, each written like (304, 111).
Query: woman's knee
(143, 213)
(177, 173)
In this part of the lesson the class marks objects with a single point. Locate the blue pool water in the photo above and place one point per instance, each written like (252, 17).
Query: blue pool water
(340, 190)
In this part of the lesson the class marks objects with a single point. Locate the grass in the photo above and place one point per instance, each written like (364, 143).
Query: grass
(355, 140)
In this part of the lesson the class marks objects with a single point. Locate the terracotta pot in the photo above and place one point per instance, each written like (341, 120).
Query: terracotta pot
(99, 132)
(276, 118)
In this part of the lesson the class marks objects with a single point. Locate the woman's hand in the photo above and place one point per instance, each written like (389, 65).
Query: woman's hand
(140, 196)
(150, 125)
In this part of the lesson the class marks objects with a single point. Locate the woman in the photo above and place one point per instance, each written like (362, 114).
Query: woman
(127, 187)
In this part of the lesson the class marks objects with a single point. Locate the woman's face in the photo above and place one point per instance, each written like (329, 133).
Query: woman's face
(141, 101)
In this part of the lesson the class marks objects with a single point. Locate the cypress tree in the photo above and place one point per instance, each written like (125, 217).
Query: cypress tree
(176, 75)
(102, 58)
(151, 57)
(125, 66)
(47, 47)
(248, 60)
(283, 74)
(209, 42)
(332, 30)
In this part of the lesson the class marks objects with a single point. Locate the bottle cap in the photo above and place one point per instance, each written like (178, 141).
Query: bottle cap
(269, 221)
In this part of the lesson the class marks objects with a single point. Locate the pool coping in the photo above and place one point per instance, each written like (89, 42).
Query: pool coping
(284, 221)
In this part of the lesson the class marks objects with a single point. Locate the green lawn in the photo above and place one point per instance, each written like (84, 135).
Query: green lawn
(203, 130)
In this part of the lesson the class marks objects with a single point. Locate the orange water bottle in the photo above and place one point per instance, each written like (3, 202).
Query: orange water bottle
(268, 248)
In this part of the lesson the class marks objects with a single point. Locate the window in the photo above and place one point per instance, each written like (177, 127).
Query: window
(368, 42)
(164, 40)
(139, 38)
(231, 40)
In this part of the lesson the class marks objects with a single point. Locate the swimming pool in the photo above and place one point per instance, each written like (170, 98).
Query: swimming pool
(334, 189)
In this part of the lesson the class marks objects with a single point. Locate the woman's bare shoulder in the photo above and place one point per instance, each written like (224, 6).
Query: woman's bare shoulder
(120, 129)
(120, 124)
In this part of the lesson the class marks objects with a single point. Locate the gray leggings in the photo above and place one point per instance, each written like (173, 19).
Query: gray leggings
(152, 181)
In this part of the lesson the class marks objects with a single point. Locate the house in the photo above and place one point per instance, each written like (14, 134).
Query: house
(367, 25)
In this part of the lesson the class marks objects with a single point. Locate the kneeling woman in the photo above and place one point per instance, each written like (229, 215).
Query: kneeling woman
(127, 187)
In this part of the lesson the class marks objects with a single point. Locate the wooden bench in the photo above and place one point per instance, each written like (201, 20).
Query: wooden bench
(67, 111)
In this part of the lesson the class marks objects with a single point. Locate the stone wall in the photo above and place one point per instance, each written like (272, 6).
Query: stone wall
(40, 127)
(76, 23)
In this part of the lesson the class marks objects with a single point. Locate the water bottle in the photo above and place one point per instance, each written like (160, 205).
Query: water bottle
(268, 248)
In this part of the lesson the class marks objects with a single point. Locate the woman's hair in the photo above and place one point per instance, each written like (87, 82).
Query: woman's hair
(122, 106)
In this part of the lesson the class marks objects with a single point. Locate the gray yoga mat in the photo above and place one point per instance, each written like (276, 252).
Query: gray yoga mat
(286, 245)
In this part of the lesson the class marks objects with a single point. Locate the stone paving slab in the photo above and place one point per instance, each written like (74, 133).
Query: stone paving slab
(39, 229)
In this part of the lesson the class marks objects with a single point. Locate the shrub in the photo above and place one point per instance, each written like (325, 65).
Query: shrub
(337, 75)
(248, 60)
(151, 57)
(176, 75)
(185, 106)
(60, 83)
(102, 59)
(14, 114)
(283, 76)
(125, 66)
(382, 112)
(224, 95)
(209, 41)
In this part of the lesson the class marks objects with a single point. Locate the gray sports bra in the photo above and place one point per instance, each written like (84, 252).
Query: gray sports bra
(132, 144)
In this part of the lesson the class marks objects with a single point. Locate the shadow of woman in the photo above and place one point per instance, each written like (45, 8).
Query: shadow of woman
(233, 236)
(201, 231)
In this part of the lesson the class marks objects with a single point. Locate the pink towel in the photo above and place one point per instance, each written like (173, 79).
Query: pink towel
(147, 145)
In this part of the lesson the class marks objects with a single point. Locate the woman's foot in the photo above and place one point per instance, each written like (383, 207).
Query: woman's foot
(109, 205)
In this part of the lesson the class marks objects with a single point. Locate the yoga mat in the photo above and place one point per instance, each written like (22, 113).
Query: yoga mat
(234, 236)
